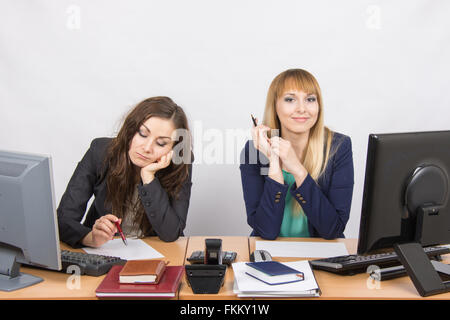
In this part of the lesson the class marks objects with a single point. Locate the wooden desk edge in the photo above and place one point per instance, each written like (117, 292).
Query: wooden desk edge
(409, 294)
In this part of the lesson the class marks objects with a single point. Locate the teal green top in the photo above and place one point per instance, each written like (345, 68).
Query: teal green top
(293, 225)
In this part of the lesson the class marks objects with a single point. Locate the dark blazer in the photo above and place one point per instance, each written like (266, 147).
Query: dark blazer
(325, 203)
(167, 217)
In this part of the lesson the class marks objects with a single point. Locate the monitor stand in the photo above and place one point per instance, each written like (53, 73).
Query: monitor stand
(10, 277)
(420, 269)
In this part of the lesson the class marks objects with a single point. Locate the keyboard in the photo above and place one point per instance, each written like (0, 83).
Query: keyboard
(353, 264)
(88, 264)
(228, 257)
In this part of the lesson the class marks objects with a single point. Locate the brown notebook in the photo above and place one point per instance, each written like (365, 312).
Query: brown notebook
(142, 271)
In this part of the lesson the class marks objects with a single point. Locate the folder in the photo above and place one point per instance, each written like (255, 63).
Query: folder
(166, 288)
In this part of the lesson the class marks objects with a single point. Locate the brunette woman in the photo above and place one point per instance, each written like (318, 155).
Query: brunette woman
(141, 179)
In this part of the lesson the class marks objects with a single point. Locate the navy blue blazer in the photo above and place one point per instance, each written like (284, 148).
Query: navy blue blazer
(326, 203)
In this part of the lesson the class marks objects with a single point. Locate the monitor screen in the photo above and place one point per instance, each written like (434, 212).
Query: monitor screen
(28, 223)
(406, 197)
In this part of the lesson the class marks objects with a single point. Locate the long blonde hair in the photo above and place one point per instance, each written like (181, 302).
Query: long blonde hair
(319, 141)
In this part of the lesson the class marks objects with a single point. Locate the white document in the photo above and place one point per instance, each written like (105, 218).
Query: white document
(135, 250)
(286, 294)
(299, 249)
(247, 286)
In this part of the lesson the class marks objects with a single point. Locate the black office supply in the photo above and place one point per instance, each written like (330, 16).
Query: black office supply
(204, 278)
(89, 264)
(213, 251)
(383, 274)
(442, 269)
(228, 257)
(260, 255)
(354, 263)
(420, 270)
(208, 277)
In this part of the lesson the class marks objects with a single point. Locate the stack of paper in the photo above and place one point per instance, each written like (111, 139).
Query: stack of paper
(247, 286)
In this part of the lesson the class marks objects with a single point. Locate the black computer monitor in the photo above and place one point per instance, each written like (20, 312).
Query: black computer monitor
(406, 190)
(28, 222)
(406, 202)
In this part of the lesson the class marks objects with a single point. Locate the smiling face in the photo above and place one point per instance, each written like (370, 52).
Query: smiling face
(152, 141)
(297, 111)
(294, 104)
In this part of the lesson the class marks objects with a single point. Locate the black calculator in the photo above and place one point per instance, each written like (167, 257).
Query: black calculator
(228, 257)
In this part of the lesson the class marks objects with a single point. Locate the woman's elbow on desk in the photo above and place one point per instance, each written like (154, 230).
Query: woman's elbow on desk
(261, 231)
(330, 236)
(170, 237)
(266, 234)
(334, 232)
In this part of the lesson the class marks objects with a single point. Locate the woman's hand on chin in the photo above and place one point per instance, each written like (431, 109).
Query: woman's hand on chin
(148, 172)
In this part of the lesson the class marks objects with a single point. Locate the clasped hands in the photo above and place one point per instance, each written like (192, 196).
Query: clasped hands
(280, 153)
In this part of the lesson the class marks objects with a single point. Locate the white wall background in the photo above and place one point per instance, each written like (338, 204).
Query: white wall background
(70, 70)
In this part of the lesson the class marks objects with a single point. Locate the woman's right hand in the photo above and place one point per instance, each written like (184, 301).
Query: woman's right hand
(103, 230)
(260, 139)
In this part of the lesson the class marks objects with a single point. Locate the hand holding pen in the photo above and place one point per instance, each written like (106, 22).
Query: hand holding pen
(121, 233)
(255, 121)
(279, 152)
(103, 230)
(260, 139)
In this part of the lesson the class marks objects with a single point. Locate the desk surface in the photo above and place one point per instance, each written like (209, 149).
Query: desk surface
(333, 287)
(56, 285)
(359, 286)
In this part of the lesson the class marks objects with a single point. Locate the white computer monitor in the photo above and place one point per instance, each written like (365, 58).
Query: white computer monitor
(28, 221)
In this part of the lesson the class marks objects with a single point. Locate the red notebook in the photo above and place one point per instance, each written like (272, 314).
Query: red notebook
(167, 286)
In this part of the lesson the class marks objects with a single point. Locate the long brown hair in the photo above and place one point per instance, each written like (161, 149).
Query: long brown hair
(122, 175)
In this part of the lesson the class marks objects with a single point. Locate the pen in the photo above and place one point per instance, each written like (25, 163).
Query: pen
(254, 121)
(121, 233)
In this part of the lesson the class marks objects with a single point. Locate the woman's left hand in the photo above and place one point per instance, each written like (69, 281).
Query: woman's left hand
(289, 159)
(148, 172)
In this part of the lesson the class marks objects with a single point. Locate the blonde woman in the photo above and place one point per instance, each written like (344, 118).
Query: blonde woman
(297, 175)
